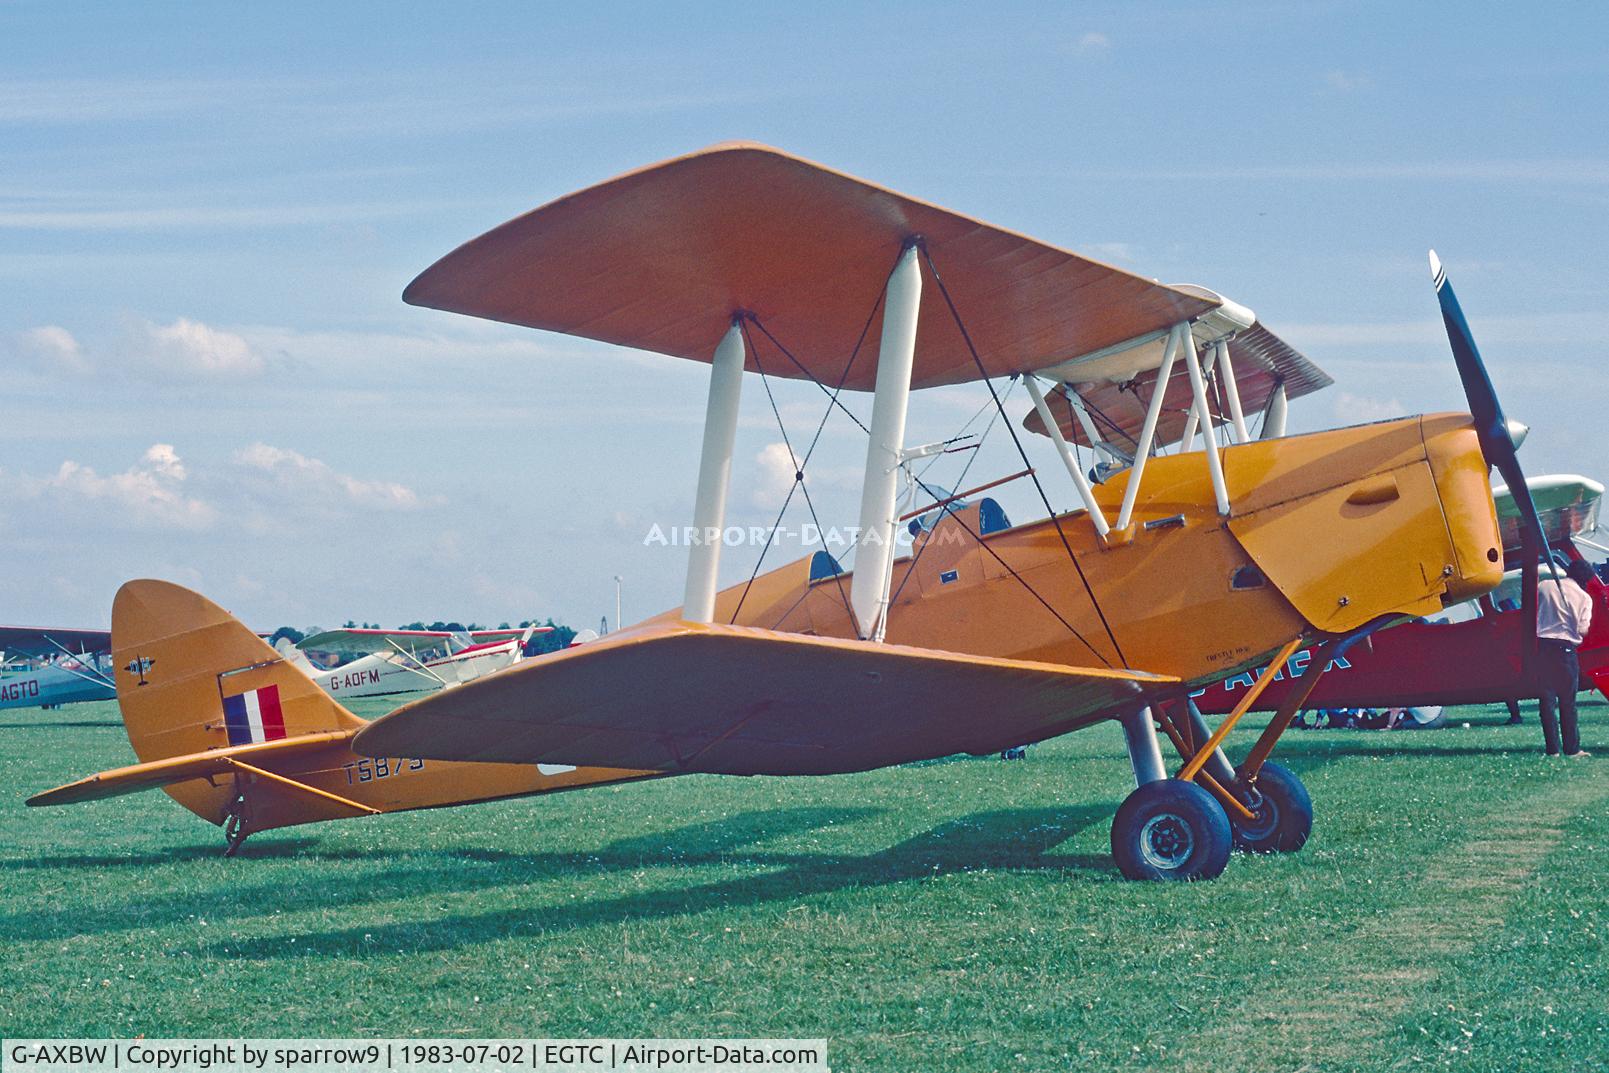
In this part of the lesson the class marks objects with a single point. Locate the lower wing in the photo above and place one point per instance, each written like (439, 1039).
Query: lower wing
(687, 697)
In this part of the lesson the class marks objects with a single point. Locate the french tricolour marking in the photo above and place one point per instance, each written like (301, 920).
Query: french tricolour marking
(254, 716)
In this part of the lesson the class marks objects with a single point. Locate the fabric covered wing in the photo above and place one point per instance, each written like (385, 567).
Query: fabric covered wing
(45, 641)
(1263, 363)
(372, 641)
(684, 697)
(1566, 503)
(663, 257)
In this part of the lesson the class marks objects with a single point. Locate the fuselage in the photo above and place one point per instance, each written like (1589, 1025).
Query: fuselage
(382, 674)
(1327, 532)
(51, 684)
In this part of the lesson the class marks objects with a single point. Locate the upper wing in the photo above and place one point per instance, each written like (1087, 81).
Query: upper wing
(662, 258)
(46, 641)
(737, 700)
(1567, 504)
(172, 769)
(372, 641)
(1263, 362)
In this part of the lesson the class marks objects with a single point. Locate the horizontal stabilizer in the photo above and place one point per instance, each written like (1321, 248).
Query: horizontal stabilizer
(686, 697)
(174, 769)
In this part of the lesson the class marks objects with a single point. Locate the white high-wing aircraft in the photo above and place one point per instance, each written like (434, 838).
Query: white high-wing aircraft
(41, 667)
(407, 661)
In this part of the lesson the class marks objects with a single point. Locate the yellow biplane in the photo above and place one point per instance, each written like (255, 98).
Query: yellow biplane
(1177, 570)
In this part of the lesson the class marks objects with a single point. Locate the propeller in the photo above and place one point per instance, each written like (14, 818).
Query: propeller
(1499, 437)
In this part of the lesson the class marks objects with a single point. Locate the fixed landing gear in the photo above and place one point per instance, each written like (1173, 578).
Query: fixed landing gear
(1167, 828)
(1171, 829)
(1283, 813)
(235, 827)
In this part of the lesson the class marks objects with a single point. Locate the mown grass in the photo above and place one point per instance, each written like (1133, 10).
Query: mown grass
(1449, 913)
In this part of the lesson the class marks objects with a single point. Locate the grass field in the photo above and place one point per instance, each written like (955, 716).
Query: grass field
(1450, 913)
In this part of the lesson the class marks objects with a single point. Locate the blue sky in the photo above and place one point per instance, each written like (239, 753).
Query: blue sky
(208, 214)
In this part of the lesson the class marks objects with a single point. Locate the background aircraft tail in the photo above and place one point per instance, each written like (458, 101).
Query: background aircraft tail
(191, 678)
(294, 656)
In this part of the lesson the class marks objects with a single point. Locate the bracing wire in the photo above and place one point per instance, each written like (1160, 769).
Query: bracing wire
(1039, 487)
(800, 464)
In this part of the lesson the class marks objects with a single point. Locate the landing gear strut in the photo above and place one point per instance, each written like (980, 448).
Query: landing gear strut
(1282, 813)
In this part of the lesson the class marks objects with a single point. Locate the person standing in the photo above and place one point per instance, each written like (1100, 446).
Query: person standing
(1563, 614)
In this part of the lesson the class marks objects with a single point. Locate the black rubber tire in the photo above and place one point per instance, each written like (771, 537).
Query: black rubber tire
(1171, 830)
(1285, 818)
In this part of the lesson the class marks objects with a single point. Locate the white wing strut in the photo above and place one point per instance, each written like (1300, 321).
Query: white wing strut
(714, 473)
(1274, 421)
(1085, 492)
(1178, 337)
(1226, 377)
(896, 354)
(1198, 389)
(413, 658)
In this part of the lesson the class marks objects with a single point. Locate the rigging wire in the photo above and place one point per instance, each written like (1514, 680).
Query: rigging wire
(798, 482)
(800, 464)
(1040, 488)
(960, 482)
(949, 509)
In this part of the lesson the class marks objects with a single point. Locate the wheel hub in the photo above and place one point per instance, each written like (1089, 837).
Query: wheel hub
(1267, 818)
(1166, 841)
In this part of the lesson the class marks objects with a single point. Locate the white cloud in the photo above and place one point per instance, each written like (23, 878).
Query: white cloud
(190, 348)
(1353, 409)
(149, 493)
(1112, 251)
(183, 350)
(311, 479)
(776, 469)
(54, 349)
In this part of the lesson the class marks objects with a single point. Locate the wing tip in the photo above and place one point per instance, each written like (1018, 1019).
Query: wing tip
(1438, 271)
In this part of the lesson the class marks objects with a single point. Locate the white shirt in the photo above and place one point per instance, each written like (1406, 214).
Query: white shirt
(1563, 610)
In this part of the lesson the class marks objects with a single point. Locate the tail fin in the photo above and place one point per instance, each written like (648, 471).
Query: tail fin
(191, 678)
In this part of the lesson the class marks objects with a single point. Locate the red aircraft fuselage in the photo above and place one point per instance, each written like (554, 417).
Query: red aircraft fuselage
(1478, 661)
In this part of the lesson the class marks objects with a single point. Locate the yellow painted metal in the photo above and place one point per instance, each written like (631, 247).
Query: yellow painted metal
(1193, 765)
(1303, 548)
(302, 787)
(1230, 802)
(1294, 699)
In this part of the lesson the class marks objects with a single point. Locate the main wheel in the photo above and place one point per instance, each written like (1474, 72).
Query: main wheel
(1284, 814)
(1170, 829)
